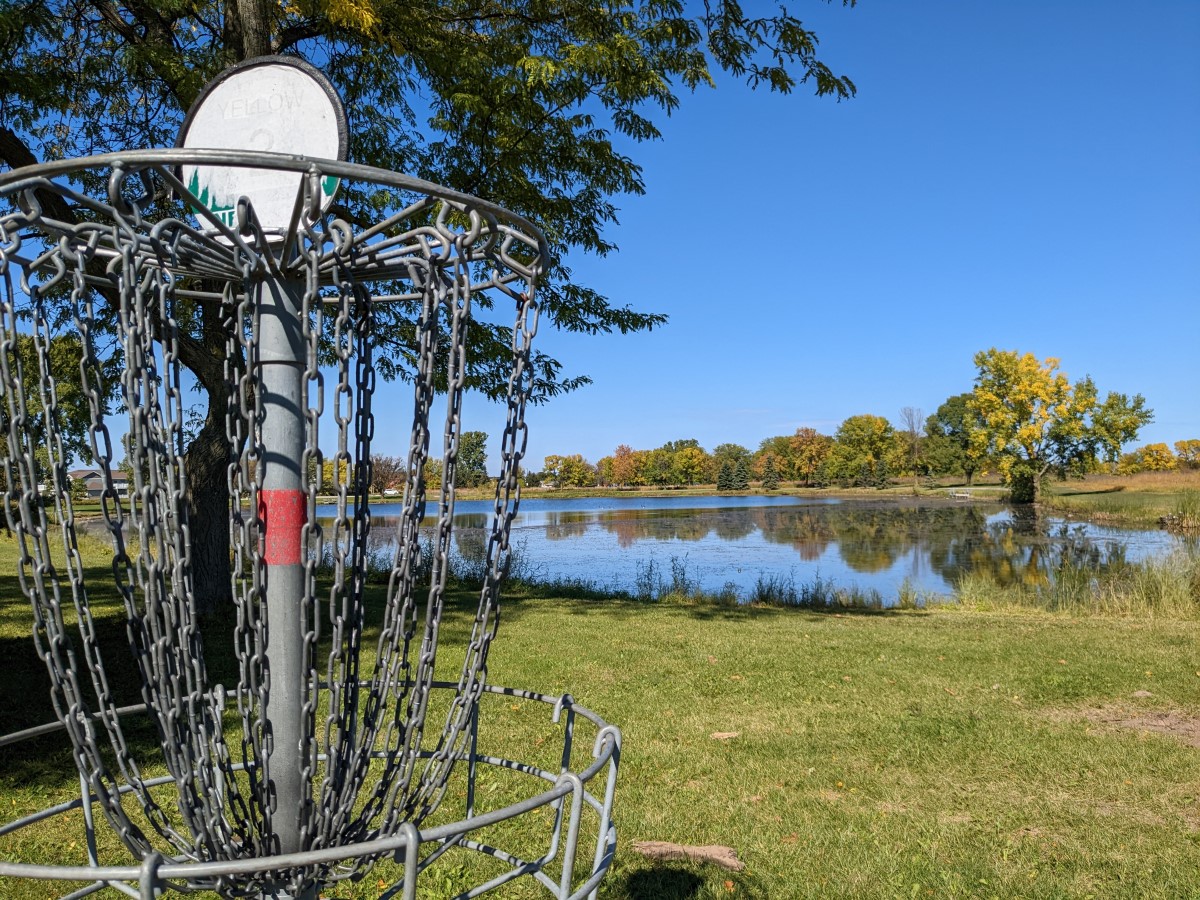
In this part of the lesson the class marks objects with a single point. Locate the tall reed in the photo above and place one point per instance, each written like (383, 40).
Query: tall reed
(1160, 587)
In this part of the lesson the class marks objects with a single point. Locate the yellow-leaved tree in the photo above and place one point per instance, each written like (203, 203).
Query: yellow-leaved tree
(1157, 458)
(1188, 453)
(1032, 420)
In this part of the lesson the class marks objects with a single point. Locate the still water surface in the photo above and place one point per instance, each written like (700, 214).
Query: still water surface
(733, 541)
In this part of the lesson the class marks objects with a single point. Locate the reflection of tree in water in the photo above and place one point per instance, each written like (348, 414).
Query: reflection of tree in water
(633, 525)
(1020, 547)
(733, 524)
(469, 520)
(958, 539)
(972, 544)
(471, 532)
(563, 525)
(470, 538)
(1025, 549)
(869, 537)
(807, 528)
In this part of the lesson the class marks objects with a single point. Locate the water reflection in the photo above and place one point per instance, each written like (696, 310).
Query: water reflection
(865, 544)
(1023, 547)
(561, 526)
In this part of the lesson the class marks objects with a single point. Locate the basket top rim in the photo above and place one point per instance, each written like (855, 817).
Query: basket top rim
(16, 179)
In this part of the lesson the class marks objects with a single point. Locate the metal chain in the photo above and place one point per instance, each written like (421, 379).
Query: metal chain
(473, 675)
(393, 668)
(42, 584)
(243, 428)
(340, 722)
(386, 766)
(312, 319)
(420, 801)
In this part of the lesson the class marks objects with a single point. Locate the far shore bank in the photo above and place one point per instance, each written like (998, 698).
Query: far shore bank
(1167, 499)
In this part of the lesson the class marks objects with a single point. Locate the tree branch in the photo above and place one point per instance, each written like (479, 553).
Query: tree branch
(17, 155)
(163, 38)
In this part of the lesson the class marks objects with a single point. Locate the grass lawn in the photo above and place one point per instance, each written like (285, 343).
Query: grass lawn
(908, 754)
(940, 754)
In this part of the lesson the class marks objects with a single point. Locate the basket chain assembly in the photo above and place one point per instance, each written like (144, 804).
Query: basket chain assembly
(300, 754)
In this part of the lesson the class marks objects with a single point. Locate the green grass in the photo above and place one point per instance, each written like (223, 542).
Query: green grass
(1153, 588)
(948, 753)
(878, 752)
(1143, 499)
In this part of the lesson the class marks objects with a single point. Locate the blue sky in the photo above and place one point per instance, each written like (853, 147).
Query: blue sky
(1019, 174)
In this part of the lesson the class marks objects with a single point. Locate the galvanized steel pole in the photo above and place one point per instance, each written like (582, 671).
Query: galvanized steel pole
(282, 508)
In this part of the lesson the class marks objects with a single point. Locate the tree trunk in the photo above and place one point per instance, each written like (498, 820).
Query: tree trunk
(206, 466)
(246, 30)
(256, 27)
(1037, 482)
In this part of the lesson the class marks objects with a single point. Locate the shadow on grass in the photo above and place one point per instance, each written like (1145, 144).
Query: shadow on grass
(25, 683)
(518, 596)
(662, 883)
(678, 882)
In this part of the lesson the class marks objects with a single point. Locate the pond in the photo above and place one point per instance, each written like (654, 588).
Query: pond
(734, 543)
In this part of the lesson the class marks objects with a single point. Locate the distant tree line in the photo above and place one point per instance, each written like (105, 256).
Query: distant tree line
(1023, 419)
(389, 473)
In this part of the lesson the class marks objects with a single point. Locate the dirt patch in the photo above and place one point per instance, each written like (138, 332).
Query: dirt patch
(1176, 723)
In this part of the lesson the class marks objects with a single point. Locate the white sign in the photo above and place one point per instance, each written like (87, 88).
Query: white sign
(273, 104)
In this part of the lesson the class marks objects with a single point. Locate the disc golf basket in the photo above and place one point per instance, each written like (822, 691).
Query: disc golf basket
(341, 745)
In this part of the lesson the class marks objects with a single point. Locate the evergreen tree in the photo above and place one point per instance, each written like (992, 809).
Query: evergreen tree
(821, 477)
(866, 474)
(741, 476)
(725, 477)
(882, 475)
(770, 480)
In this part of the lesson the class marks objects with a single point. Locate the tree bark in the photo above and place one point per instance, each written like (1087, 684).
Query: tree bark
(248, 27)
(1037, 482)
(205, 467)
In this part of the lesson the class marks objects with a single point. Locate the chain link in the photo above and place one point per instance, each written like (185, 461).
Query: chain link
(385, 765)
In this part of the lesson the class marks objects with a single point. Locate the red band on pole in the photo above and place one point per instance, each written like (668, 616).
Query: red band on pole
(284, 514)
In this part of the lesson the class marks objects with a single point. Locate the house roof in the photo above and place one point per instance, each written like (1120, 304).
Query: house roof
(88, 474)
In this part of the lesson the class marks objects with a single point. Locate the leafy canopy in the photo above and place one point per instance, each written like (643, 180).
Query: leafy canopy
(948, 447)
(863, 443)
(529, 103)
(1033, 420)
